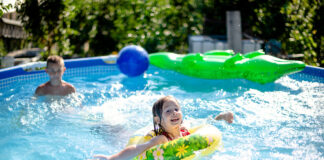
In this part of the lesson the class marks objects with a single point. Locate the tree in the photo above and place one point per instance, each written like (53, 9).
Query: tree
(295, 23)
(298, 38)
(41, 19)
(92, 28)
(109, 25)
(4, 8)
(318, 34)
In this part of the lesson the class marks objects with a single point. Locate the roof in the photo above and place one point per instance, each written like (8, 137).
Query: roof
(11, 22)
(10, 28)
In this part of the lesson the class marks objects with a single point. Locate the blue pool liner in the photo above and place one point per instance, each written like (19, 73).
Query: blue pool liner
(72, 63)
(102, 61)
(314, 71)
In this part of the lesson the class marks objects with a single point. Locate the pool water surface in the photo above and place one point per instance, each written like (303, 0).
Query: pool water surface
(280, 120)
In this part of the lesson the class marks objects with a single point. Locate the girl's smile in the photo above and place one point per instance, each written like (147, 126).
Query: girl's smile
(175, 121)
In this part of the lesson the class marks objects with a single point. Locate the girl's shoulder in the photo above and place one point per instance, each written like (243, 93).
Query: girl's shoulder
(151, 134)
(157, 139)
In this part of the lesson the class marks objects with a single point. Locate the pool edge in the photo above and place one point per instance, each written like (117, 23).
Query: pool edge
(38, 67)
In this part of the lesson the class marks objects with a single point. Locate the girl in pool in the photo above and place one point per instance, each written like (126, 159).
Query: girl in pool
(167, 120)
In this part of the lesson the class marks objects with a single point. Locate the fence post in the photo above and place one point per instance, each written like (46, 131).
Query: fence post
(234, 30)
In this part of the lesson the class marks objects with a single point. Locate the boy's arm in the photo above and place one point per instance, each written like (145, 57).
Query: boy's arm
(72, 89)
(68, 88)
(134, 150)
(39, 91)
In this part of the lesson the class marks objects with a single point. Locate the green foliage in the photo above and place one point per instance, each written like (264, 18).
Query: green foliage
(108, 26)
(4, 8)
(318, 34)
(3, 51)
(92, 28)
(292, 23)
(41, 19)
(299, 28)
(295, 23)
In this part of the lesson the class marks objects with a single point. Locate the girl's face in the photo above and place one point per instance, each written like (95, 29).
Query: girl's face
(171, 114)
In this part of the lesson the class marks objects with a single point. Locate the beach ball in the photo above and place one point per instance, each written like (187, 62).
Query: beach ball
(133, 60)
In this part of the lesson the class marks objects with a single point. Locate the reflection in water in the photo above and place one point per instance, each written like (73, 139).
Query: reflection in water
(134, 83)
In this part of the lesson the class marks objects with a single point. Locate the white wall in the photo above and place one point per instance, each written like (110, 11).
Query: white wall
(202, 44)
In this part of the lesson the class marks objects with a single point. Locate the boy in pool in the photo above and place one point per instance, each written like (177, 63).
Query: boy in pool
(167, 120)
(55, 86)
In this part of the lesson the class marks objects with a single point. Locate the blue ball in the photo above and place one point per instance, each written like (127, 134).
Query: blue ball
(133, 60)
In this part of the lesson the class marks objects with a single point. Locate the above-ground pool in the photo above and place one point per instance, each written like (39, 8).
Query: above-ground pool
(280, 120)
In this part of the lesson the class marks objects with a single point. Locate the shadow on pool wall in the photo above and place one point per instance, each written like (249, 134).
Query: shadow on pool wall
(188, 84)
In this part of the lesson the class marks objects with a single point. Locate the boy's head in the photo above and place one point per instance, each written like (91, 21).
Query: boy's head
(55, 68)
(166, 113)
(55, 60)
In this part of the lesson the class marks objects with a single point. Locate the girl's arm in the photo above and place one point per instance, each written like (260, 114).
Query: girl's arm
(134, 150)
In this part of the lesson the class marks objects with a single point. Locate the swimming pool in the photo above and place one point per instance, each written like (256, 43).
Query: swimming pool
(280, 120)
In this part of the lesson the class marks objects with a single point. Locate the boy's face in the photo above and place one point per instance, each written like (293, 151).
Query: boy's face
(55, 71)
(171, 114)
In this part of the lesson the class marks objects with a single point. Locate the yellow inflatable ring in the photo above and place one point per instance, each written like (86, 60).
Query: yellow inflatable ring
(203, 140)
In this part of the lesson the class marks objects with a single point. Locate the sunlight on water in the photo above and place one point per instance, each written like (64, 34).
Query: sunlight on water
(281, 120)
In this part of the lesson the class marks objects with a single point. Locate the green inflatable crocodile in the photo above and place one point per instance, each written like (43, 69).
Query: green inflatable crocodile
(218, 64)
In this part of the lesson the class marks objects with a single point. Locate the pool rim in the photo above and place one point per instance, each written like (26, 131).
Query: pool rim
(38, 67)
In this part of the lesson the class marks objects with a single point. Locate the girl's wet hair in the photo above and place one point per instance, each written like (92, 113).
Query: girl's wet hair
(157, 111)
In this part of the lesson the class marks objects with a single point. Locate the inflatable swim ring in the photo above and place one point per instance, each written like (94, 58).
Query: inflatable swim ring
(203, 140)
(254, 66)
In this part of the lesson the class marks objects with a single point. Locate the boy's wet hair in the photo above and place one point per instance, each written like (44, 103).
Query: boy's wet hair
(55, 60)
(157, 111)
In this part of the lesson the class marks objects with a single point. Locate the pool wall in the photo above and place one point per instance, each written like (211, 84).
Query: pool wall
(75, 67)
(32, 71)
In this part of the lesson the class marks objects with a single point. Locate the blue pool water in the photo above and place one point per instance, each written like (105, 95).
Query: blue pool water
(280, 120)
